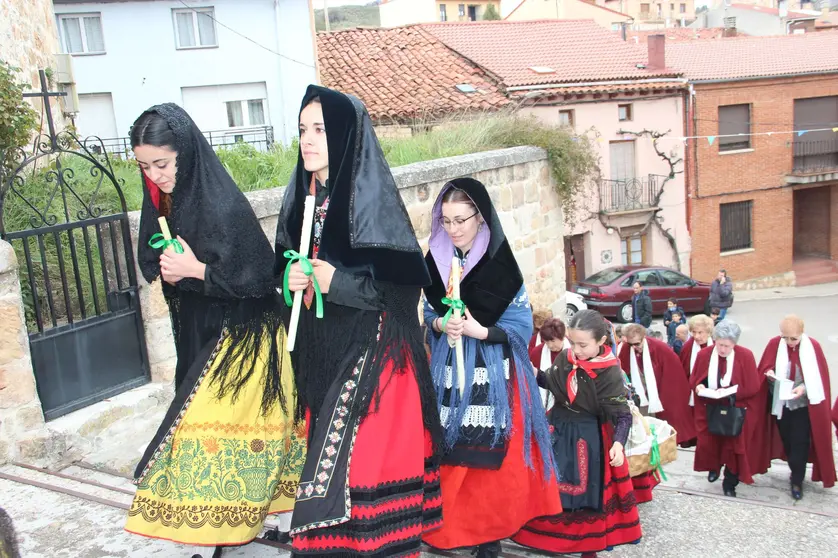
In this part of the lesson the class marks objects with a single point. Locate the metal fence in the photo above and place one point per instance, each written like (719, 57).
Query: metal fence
(261, 138)
(815, 156)
(630, 194)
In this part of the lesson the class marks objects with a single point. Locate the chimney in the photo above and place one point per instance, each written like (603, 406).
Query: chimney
(657, 52)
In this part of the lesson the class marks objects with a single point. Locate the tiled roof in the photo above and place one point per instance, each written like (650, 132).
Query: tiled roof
(578, 51)
(773, 11)
(677, 34)
(591, 2)
(752, 57)
(403, 73)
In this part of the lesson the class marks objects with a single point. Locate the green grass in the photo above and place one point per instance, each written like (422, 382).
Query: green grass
(572, 161)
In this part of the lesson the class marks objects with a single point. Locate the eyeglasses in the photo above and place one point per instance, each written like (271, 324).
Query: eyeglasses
(636, 344)
(456, 223)
(792, 339)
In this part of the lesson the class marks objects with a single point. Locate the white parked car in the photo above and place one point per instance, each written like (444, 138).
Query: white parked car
(574, 303)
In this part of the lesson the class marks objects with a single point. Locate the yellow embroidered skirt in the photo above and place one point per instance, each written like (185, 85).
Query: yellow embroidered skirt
(220, 467)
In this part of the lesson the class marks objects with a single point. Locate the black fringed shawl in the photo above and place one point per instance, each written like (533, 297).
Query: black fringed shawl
(216, 220)
(368, 237)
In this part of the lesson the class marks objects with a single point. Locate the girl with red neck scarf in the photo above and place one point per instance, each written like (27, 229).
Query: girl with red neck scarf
(590, 422)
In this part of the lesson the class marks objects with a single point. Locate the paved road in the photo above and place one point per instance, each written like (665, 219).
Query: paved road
(760, 321)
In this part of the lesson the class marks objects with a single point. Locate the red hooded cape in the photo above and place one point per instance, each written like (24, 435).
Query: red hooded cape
(820, 451)
(673, 389)
(740, 452)
(535, 355)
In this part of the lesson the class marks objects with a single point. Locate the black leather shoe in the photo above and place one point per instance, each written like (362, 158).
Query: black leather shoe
(730, 492)
(712, 476)
(218, 551)
(797, 492)
(488, 550)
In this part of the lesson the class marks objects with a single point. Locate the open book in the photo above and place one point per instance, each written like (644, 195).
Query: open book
(720, 393)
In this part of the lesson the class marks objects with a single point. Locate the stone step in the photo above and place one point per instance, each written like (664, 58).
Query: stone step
(803, 266)
(816, 278)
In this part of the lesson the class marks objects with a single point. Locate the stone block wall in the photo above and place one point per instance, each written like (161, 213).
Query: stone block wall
(20, 408)
(518, 181)
(28, 40)
(522, 191)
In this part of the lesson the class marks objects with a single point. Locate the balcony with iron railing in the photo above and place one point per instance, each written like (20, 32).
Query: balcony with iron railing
(813, 161)
(633, 194)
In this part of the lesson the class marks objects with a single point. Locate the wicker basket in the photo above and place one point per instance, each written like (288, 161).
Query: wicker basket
(639, 464)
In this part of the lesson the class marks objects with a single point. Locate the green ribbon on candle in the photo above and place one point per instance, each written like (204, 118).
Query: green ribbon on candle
(159, 241)
(308, 269)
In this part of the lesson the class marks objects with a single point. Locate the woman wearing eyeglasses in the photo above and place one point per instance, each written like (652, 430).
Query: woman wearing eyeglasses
(497, 473)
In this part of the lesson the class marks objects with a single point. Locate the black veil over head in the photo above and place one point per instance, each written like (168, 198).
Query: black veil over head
(367, 230)
(210, 212)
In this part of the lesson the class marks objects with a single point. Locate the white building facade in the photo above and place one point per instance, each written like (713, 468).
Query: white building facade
(239, 67)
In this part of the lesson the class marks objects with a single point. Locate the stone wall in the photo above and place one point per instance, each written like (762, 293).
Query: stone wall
(521, 188)
(28, 40)
(20, 408)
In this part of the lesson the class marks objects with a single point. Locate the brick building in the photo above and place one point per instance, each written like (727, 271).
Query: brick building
(763, 201)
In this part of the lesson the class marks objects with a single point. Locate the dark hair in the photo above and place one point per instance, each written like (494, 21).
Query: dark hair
(552, 328)
(591, 321)
(455, 195)
(715, 311)
(152, 129)
(673, 301)
(675, 313)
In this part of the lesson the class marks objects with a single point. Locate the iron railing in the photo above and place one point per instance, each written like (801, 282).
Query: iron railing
(261, 138)
(811, 157)
(630, 194)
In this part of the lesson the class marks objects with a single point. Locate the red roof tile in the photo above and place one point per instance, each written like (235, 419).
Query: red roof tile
(403, 73)
(677, 34)
(578, 51)
(753, 57)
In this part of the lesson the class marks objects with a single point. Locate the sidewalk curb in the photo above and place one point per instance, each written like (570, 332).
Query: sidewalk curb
(782, 296)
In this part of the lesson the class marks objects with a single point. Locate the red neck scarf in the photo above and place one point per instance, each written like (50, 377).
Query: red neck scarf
(153, 190)
(604, 360)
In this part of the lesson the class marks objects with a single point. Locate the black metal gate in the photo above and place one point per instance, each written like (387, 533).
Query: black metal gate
(64, 212)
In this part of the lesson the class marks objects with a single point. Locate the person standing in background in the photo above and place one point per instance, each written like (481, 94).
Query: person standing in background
(721, 293)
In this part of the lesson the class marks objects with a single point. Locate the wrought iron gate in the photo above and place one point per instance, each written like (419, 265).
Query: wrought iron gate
(64, 212)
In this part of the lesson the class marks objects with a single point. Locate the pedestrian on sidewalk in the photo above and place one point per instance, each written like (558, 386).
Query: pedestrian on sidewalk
(721, 293)
(722, 365)
(227, 453)
(672, 307)
(676, 318)
(641, 306)
(800, 429)
(590, 422)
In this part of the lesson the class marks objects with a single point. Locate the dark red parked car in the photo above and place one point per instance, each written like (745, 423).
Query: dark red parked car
(610, 290)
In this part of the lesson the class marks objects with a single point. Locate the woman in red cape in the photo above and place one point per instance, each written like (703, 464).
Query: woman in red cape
(815, 417)
(673, 389)
(701, 332)
(727, 364)
(590, 421)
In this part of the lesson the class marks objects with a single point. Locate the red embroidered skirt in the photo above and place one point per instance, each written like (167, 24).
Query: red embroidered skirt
(393, 489)
(643, 485)
(588, 530)
(483, 505)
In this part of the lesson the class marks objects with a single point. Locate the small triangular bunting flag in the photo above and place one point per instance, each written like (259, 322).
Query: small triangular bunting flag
(835, 129)
(711, 139)
(800, 132)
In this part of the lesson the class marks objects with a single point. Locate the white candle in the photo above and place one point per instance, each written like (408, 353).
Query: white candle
(458, 346)
(305, 246)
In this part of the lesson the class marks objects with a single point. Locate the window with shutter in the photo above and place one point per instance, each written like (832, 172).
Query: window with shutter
(734, 127)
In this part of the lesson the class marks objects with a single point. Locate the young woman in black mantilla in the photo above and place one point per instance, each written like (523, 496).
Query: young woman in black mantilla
(369, 486)
(227, 454)
(590, 422)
